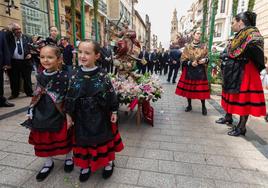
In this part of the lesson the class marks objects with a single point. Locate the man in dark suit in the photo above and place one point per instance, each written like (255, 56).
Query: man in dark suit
(175, 56)
(161, 56)
(107, 58)
(166, 60)
(154, 61)
(4, 65)
(21, 66)
(144, 56)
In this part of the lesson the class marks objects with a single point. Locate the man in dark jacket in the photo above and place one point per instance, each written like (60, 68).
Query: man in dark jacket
(4, 65)
(144, 56)
(175, 56)
(21, 66)
(107, 58)
(166, 60)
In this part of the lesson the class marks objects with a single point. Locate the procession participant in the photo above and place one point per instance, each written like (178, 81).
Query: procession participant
(49, 132)
(91, 106)
(242, 88)
(193, 83)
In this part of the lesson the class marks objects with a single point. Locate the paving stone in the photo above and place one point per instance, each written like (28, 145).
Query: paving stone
(173, 146)
(153, 179)
(18, 137)
(114, 185)
(148, 144)
(224, 184)
(5, 135)
(205, 171)
(17, 160)
(155, 137)
(244, 176)
(132, 152)
(142, 164)
(125, 176)
(3, 155)
(253, 164)
(121, 161)
(21, 148)
(190, 157)
(14, 176)
(171, 132)
(187, 182)
(222, 161)
(175, 168)
(158, 154)
(4, 144)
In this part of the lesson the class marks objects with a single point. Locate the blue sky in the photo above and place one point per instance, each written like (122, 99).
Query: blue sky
(160, 13)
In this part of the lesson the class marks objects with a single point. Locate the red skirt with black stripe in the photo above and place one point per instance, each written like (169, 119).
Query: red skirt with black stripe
(49, 144)
(192, 89)
(100, 155)
(250, 100)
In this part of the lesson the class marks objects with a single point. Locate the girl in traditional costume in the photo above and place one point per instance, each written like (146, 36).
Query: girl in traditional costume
(193, 83)
(49, 133)
(91, 106)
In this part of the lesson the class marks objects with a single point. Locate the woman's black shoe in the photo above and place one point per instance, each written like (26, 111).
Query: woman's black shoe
(223, 120)
(188, 108)
(84, 177)
(107, 173)
(237, 132)
(41, 176)
(266, 118)
(204, 111)
(68, 168)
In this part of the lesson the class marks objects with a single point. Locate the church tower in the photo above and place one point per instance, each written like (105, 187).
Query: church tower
(174, 27)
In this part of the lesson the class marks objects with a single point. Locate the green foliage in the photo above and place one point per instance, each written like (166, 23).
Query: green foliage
(251, 4)
(205, 15)
(235, 6)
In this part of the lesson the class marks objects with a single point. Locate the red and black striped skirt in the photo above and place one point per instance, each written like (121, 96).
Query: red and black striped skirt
(98, 156)
(48, 144)
(192, 89)
(250, 100)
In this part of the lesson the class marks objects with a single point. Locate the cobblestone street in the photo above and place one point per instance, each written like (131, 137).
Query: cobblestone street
(181, 150)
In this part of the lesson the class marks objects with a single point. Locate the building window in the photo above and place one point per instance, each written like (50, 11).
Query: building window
(218, 30)
(223, 2)
(35, 17)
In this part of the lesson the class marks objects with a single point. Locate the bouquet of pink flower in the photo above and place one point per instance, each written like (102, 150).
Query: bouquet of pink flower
(146, 87)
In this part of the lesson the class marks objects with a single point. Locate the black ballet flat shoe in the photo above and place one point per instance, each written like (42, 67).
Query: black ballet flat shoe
(188, 108)
(84, 177)
(107, 173)
(237, 132)
(41, 176)
(224, 121)
(68, 168)
(204, 111)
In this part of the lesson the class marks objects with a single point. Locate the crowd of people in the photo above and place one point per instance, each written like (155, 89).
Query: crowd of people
(73, 110)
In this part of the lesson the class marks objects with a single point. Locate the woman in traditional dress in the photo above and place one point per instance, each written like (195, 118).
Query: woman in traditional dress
(242, 88)
(193, 83)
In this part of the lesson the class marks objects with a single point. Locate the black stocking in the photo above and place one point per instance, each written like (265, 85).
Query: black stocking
(189, 102)
(242, 122)
(203, 103)
(228, 116)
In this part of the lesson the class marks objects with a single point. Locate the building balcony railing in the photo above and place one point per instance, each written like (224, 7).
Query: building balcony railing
(102, 6)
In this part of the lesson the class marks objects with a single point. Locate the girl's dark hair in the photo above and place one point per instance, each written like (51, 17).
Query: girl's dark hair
(55, 48)
(248, 18)
(96, 45)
